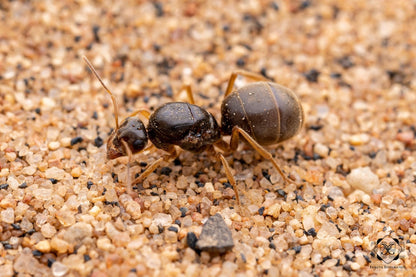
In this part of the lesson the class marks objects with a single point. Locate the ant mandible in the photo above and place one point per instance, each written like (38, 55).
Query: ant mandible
(263, 113)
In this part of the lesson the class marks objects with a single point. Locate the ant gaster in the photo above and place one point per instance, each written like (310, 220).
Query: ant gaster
(263, 113)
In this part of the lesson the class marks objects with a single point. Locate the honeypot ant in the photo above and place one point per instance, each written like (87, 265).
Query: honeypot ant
(263, 113)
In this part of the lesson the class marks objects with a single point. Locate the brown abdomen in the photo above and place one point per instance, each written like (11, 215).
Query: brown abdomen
(270, 113)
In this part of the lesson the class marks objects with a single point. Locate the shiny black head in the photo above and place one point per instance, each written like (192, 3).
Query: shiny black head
(133, 132)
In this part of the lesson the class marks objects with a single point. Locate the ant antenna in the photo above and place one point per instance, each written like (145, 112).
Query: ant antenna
(105, 87)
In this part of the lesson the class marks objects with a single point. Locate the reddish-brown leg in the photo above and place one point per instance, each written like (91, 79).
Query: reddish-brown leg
(128, 181)
(142, 112)
(230, 176)
(172, 155)
(260, 149)
(244, 73)
(189, 93)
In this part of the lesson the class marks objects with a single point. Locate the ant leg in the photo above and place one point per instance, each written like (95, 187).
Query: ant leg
(143, 112)
(260, 149)
(221, 144)
(188, 89)
(230, 176)
(244, 73)
(172, 155)
(129, 184)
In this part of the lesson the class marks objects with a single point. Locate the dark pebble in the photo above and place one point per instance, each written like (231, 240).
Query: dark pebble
(16, 226)
(165, 171)
(215, 237)
(50, 262)
(36, 253)
(173, 228)
(311, 232)
(76, 140)
(227, 185)
(282, 193)
(89, 184)
(191, 240)
(98, 142)
(297, 249)
(4, 186)
(183, 210)
(23, 185)
(312, 75)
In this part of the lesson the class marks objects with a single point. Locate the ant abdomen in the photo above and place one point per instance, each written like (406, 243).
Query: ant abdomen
(268, 112)
(185, 125)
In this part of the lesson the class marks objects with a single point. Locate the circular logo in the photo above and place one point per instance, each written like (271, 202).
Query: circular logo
(387, 249)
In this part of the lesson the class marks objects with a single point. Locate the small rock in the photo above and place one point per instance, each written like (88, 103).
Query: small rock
(321, 149)
(215, 236)
(328, 230)
(77, 232)
(364, 179)
(43, 246)
(26, 263)
(405, 137)
(59, 269)
(359, 139)
(76, 172)
(47, 103)
(133, 209)
(43, 194)
(48, 230)
(163, 220)
(55, 173)
(29, 170)
(53, 145)
(59, 245)
(273, 210)
(7, 215)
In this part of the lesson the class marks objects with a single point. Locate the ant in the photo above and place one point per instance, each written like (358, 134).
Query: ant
(263, 113)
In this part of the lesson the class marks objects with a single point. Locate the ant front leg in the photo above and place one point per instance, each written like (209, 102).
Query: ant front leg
(234, 75)
(260, 149)
(153, 166)
(130, 155)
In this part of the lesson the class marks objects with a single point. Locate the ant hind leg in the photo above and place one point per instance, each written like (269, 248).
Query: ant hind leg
(234, 75)
(260, 149)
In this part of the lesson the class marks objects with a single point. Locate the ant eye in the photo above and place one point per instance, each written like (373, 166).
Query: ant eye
(138, 144)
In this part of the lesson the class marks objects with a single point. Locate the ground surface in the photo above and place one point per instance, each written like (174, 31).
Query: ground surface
(63, 206)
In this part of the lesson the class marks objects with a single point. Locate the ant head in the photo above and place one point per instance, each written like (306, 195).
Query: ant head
(128, 138)
(131, 137)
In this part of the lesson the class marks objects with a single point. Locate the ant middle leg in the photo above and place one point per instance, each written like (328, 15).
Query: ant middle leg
(260, 149)
(234, 75)
(153, 166)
